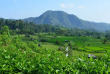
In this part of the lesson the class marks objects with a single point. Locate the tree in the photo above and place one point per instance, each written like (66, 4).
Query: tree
(61, 31)
(107, 36)
(58, 42)
(1, 23)
(5, 35)
(105, 40)
(5, 30)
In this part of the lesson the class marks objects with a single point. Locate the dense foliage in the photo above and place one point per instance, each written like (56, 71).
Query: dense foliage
(20, 27)
(17, 56)
(67, 20)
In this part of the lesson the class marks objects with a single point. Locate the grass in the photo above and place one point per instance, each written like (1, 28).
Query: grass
(87, 45)
(26, 57)
(76, 54)
(50, 46)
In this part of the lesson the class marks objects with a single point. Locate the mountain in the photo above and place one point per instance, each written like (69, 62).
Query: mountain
(67, 20)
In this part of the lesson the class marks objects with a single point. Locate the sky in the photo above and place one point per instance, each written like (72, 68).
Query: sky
(91, 10)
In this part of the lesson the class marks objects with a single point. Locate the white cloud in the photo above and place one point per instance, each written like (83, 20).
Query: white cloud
(62, 5)
(67, 5)
(82, 7)
(15, 0)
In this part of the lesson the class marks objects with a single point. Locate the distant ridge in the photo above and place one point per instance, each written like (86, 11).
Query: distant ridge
(67, 20)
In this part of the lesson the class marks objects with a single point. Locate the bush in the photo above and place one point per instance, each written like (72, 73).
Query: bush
(70, 44)
(27, 35)
(105, 41)
(75, 47)
(61, 48)
(58, 42)
(43, 40)
(39, 44)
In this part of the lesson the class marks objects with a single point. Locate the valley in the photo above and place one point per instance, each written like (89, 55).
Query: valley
(29, 48)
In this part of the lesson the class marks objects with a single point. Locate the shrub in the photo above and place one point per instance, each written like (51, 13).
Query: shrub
(75, 47)
(61, 48)
(39, 44)
(105, 41)
(43, 40)
(27, 35)
(57, 42)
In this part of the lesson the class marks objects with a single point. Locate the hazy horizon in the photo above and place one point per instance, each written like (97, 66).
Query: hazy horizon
(96, 11)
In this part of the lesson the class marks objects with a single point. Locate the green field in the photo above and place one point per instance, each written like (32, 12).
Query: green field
(87, 45)
(20, 54)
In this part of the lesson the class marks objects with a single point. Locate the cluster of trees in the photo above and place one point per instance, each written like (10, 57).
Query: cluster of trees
(17, 56)
(21, 27)
(26, 57)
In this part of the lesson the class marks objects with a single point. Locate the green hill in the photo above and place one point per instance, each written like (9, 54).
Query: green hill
(67, 20)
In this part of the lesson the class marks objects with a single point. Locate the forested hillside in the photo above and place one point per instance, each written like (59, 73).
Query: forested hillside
(67, 20)
(28, 48)
(28, 57)
(21, 27)
(54, 37)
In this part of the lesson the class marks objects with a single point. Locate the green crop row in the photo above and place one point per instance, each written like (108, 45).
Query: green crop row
(17, 56)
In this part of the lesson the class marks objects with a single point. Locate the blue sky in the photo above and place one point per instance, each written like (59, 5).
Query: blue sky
(91, 10)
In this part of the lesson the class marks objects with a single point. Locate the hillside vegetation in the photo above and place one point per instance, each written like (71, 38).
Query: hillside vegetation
(67, 20)
(40, 53)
